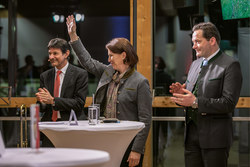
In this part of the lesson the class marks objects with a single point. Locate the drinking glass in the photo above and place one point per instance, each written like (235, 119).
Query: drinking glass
(93, 115)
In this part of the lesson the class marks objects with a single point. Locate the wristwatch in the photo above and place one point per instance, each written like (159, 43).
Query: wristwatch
(195, 103)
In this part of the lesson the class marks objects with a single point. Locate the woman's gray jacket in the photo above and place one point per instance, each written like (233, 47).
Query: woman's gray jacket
(134, 100)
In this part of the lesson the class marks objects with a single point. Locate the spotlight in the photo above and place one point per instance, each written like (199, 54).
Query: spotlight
(58, 18)
(79, 17)
(61, 19)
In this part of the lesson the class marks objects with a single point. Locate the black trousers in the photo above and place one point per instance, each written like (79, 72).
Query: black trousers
(124, 162)
(195, 156)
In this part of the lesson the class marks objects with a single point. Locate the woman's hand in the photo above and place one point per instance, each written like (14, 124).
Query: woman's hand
(134, 158)
(71, 26)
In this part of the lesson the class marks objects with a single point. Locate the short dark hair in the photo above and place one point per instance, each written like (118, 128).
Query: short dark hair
(209, 31)
(119, 45)
(60, 44)
(160, 62)
(29, 59)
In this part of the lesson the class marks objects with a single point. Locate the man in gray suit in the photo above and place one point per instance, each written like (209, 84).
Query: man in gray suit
(209, 96)
(72, 90)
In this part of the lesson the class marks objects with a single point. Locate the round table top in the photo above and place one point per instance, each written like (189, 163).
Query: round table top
(83, 125)
(56, 157)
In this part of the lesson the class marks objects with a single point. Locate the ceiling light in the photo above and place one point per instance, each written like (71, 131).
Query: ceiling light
(58, 18)
(79, 17)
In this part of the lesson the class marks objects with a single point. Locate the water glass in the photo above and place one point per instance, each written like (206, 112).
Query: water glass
(93, 115)
(98, 108)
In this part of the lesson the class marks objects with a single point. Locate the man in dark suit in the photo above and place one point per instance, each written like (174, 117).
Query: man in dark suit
(209, 96)
(71, 89)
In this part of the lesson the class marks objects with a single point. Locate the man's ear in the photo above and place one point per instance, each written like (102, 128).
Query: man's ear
(213, 41)
(67, 53)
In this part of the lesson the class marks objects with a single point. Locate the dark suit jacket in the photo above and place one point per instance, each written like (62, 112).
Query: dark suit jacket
(73, 93)
(218, 93)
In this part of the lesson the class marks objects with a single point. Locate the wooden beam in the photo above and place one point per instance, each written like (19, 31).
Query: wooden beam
(144, 38)
(165, 102)
(244, 102)
(144, 50)
(16, 102)
(158, 101)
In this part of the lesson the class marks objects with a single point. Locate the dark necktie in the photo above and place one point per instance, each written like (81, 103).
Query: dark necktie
(192, 113)
(56, 93)
(204, 63)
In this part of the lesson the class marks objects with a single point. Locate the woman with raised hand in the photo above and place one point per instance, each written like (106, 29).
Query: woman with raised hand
(122, 92)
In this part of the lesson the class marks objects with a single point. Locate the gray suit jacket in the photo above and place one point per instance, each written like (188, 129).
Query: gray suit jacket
(73, 93)
(218, 93)
(134, 95)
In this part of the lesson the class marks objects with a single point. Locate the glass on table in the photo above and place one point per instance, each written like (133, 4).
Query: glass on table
(98, 108)
(94, 114)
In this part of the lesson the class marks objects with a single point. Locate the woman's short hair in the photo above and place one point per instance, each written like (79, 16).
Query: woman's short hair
(119, 45)
(209, 31)
(59, 43)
